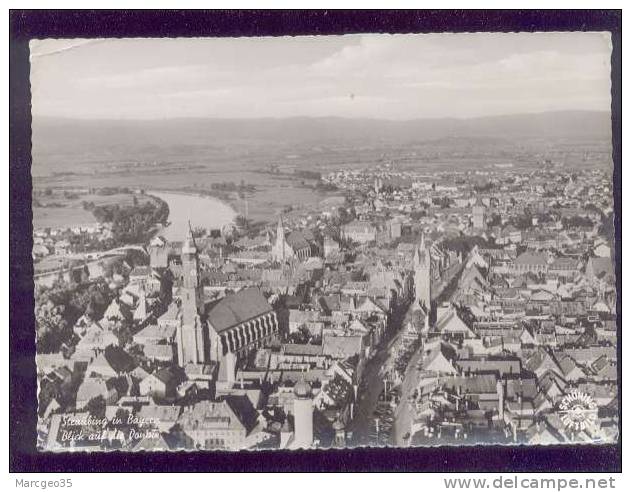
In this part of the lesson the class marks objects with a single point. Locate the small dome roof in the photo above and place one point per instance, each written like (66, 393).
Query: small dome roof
(302, 389)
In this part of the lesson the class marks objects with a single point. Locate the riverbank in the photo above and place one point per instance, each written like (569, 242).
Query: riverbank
(202, 211)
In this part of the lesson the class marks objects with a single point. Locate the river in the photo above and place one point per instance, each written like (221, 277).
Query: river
(202, 211)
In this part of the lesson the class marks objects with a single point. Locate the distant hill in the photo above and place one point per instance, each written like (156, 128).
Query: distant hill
(65, 135)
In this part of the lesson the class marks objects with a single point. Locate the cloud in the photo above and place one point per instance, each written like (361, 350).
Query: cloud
(353, 57)
(393, 76)
(165, 76)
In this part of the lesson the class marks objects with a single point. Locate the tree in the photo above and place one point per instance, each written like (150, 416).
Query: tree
(464, 244)
(607, 229)
(58, 308)
(123, 332)
(302, 336)
(418, 214)
(96, 407)
(523, 221)
(494, 220)
(52, 329)
(344, 216)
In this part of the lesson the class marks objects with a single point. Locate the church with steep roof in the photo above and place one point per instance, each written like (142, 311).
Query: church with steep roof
(223, 331)
(294, 246)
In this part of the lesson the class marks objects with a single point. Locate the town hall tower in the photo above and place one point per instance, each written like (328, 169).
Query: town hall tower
(422, 277)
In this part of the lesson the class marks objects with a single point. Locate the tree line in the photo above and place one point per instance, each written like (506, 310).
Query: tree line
(132, 223)
(59, 307)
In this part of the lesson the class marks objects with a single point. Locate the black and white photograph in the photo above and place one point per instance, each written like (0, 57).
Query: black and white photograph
(319, 242)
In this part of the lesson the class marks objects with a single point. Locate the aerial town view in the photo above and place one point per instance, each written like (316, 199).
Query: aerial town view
(324, 242)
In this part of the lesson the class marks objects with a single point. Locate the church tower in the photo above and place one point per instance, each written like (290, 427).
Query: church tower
(279, 248)
(422, 276)
(190, 333)
(479, 215)
(190, 266)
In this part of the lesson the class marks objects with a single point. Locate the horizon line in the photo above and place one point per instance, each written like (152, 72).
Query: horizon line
(306, 117)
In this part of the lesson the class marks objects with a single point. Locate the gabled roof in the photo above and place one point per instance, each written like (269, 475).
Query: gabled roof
(567, 364)
(369, 305)
(299, 316)
(330, 303)
(243, 409)
(524, 387)
(542, 295)
(600, 363)
(504, 365)
(482, 383)
(232, 412)
(297, 241)
(564, 263)
(301, 349)
(162, 352)
(357, 325)
(168, 376)
(140, 271)
(116, 358)
(172, 313)
(601, 266)
(155, 332)
(152, 442)
(237, 308)
(342, 347)
(439, 359)
(452, 323)
(542, 360)
(551, 380)
(528, 258)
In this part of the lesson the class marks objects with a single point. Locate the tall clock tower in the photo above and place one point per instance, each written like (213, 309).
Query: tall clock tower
(423, 276)
(191, 342)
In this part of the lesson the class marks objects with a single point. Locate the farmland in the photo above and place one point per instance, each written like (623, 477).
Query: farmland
(63, 207)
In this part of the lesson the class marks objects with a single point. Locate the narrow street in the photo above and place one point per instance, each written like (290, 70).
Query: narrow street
(403, 417)
(372, 385)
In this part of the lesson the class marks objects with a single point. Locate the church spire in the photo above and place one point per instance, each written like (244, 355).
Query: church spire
(280, 230)
(189, 243)
(190, 337)
(421, 254)
(280, 239)
(190, 266)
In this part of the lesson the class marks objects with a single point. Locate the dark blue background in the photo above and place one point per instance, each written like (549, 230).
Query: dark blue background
(29, 24)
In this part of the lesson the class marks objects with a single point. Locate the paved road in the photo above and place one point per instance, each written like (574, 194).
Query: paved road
(404, 414)
(363, 424)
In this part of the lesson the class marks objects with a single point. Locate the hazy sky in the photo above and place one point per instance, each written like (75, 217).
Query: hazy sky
(375, 76)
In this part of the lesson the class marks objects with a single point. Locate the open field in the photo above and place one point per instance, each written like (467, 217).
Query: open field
(66, 210)
(193, 155)
(44, 217)
(272, 192)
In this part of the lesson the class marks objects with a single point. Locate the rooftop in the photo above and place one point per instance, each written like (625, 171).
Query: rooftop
(237, 308)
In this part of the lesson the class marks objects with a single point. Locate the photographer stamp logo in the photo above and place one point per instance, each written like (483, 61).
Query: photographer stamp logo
(578, 411)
